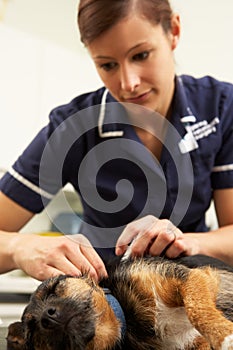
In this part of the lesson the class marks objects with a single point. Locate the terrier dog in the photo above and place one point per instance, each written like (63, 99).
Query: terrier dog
(155, 303)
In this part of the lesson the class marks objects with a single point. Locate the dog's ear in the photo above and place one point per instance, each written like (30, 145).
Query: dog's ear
(15, 337)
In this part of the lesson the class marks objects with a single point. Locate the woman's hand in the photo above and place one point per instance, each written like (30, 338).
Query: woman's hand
(155, 237)
(44, 257)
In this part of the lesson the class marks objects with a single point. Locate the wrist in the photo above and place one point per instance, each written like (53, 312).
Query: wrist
(12, 249)
(7, 249)
(197, 243)
(206, 244)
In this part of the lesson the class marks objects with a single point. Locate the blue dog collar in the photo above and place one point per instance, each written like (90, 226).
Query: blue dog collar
(117, 309)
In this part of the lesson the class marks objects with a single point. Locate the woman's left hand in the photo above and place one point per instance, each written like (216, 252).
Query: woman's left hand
(152, 236)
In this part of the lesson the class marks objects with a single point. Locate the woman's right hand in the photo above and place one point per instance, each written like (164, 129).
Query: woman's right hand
(43, 257)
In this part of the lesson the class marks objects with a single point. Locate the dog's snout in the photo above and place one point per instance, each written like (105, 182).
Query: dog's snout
(50, 317)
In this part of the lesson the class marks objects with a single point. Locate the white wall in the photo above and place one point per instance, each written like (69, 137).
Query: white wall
(42, 63)
(206, 45)
(36, 75)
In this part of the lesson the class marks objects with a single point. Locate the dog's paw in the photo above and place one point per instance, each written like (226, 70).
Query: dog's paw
(228, 343)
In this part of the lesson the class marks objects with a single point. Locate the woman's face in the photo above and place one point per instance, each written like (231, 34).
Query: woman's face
(134, 59)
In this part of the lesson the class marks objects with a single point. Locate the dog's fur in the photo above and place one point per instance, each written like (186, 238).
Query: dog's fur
(168, 305)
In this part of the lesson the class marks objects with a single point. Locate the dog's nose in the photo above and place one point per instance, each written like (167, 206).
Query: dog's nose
(50, 317)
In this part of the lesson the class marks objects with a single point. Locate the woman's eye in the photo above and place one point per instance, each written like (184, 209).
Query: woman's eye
(108, 66)
(141, 56)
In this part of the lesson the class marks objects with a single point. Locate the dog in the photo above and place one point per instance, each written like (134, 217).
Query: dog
(145, 303)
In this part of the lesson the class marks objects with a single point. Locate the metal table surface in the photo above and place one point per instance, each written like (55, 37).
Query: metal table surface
(11, 308)
(3, 333)
(15, 291)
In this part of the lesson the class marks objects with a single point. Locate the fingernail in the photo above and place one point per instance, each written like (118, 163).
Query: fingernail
(119, 251)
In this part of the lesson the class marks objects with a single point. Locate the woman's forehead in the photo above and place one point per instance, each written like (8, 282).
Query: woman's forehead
(126, 35)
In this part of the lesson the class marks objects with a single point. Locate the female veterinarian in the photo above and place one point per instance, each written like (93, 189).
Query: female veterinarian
(146, 153)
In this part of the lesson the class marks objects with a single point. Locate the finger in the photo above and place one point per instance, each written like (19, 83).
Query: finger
(141, 243)
(68, 257)
(148, 234)
(83, 264)
(124, 240)
(47, 272)
(155, 239)
(163, 241)
(132, 230)
(85, 257)
(94, 259)
(74, 264)
(176, 249)
(63, 262)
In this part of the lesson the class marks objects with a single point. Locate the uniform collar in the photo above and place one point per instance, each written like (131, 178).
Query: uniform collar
(110, 117)
(113, 121)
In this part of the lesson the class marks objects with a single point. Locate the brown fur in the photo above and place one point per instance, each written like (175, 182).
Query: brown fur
(167, 306)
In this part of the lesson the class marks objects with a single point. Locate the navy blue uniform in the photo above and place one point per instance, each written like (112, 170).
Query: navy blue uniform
(91, 144)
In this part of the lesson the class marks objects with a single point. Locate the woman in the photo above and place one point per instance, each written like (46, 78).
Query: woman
(146, 168)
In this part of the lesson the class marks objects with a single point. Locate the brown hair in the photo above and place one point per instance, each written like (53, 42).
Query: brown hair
(97, 16)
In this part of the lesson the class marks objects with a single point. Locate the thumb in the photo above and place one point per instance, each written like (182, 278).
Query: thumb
(124, 240)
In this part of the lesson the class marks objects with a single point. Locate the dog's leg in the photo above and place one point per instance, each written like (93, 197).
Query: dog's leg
(199, 294)
(200, 343)
(196, 290)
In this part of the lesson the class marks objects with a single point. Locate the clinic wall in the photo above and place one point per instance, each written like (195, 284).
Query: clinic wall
(206, 45)
(42, 63)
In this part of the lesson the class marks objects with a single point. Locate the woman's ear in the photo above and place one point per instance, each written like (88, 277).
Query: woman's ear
(175, 30)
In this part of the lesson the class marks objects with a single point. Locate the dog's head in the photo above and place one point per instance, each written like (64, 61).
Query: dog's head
(66, 313)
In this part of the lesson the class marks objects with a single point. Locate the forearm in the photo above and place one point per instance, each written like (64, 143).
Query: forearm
(217, 243)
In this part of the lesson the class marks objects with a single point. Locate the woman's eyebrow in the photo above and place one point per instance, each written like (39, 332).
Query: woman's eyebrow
(112, 58)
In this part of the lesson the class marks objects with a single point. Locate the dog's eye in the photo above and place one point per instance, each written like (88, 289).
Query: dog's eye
(51, 296)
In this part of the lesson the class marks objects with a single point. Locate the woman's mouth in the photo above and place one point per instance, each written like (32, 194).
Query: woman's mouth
(139, 98)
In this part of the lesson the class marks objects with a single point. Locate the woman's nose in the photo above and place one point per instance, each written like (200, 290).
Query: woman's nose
(130, 79)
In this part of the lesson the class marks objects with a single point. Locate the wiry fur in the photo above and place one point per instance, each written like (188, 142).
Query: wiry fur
(168, 305)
